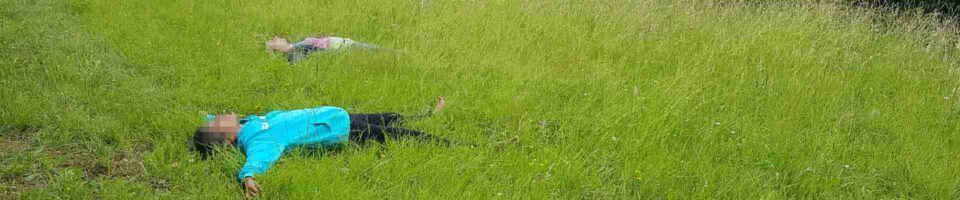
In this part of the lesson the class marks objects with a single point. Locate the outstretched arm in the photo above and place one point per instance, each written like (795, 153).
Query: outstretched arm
(260, 157)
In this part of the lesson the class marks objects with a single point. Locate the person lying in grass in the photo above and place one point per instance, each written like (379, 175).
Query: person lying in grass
(298, 51)
(265, 138)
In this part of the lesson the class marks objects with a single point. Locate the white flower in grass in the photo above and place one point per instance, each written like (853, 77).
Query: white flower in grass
(717, 123)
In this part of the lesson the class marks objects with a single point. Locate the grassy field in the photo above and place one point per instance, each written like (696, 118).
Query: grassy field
(567, 99)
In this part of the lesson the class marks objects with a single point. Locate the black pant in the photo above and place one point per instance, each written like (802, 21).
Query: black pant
(377, 127)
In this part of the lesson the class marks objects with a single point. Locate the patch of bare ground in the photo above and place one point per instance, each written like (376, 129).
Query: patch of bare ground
(26, 164)
(16, 168)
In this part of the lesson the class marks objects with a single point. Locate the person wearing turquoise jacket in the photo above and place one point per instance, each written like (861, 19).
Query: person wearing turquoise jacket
(265, 138)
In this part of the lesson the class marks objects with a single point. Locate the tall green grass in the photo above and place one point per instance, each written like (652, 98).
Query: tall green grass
(565, 99)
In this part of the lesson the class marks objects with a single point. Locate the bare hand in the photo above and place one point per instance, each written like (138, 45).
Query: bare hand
(251, 187)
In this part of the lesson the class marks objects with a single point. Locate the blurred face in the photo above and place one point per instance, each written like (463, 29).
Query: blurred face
(226, 124)
(278, 43)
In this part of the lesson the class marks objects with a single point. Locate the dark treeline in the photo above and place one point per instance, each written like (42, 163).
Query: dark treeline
(946, 8)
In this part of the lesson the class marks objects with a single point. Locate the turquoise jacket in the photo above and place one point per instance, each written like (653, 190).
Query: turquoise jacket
(265, 138)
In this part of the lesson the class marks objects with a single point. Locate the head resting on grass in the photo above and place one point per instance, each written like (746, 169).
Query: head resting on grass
(218, 130)
(277, 44)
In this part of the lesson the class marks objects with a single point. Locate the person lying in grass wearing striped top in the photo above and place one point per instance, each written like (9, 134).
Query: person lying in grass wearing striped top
(298, 51)
(265, 138)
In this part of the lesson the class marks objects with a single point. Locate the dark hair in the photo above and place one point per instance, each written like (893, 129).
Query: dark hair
(205, 141)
